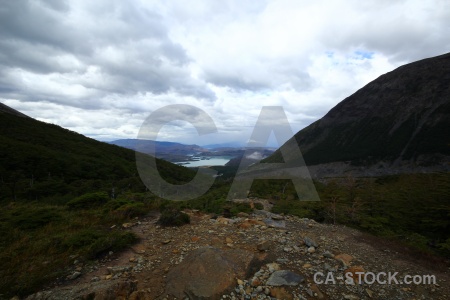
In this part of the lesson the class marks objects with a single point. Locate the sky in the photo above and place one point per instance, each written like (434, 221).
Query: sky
(102, 67)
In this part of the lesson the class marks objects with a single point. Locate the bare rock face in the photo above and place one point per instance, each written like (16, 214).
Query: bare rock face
(208, 272)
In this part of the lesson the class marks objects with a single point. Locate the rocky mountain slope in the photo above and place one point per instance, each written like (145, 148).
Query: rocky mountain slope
(397, 123)
(257, 256)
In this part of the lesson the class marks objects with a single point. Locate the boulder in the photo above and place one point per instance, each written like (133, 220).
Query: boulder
(284, 277)
(207, 273)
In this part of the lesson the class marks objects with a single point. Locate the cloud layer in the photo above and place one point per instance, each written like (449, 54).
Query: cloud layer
(101, 67)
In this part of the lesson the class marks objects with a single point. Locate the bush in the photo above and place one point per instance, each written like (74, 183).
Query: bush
(240, 207)
(93, 242)
(33, 218)
(259, 206)
(88, 200)
(173, 217)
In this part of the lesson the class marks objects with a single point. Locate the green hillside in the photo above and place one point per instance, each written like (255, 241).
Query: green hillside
(64, 195)
(38, 160)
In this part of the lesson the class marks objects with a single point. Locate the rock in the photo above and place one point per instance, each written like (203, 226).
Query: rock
(243, 214)
(311, 249)
(350, 297)
(224, 221)
(280, 293)
(328, 254)
(245, 225)
(284, 277)
(307, 266)
(118, 269)
(369, 293)
(228, 240)
(274, 224)
(256, 222)
(355, 273)
(344, 258)
(75, 275)
(207, 273)
(277, 217)
(310, 242)
(273, 267)
(166, 242)
(317, 292)
(263, 246)
(127, 225)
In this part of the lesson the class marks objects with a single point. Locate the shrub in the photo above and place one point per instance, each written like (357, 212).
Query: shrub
(241, 207)
(93, 242)
(88, 200)
(259, 206)
(33, 218)
(173, 217)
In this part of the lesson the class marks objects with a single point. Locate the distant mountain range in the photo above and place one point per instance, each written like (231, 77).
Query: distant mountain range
(398, 123)
(174, 152)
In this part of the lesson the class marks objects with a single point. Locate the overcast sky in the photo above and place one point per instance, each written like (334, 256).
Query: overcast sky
(101, 67)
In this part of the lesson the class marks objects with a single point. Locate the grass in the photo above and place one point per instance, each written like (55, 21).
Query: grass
(39, 240)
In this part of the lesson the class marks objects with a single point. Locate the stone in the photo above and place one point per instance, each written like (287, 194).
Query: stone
(310, 242)
(243, 214)
(355, 273)
(207, 273)
(127, 225)
(311, 249)
(317, 292)
(277, 217)
(75, 275)
(223, 221)
(350, 297)
(328, 254)
(228, 240)
(274, 224)
(280, 293)
(272, 267)
(307, 266)
(344, 258)
(118, 269)
(284, 277)
(264, 246)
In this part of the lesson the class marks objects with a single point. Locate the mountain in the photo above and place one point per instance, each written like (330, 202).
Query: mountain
(397, 123)
(224, 145)
(33, 153)
(9, 110)
(169, 151)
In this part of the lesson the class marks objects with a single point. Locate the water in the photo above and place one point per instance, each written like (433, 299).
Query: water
(211, 161)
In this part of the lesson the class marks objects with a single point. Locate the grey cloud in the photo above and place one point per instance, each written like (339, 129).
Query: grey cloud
(37, 36)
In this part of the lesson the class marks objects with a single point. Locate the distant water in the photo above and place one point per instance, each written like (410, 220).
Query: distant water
(211, 161)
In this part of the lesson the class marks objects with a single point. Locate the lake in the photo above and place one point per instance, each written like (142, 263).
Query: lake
(210, 161)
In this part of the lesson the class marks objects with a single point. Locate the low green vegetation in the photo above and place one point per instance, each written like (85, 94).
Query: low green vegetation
(414, 209)
(40, 240)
